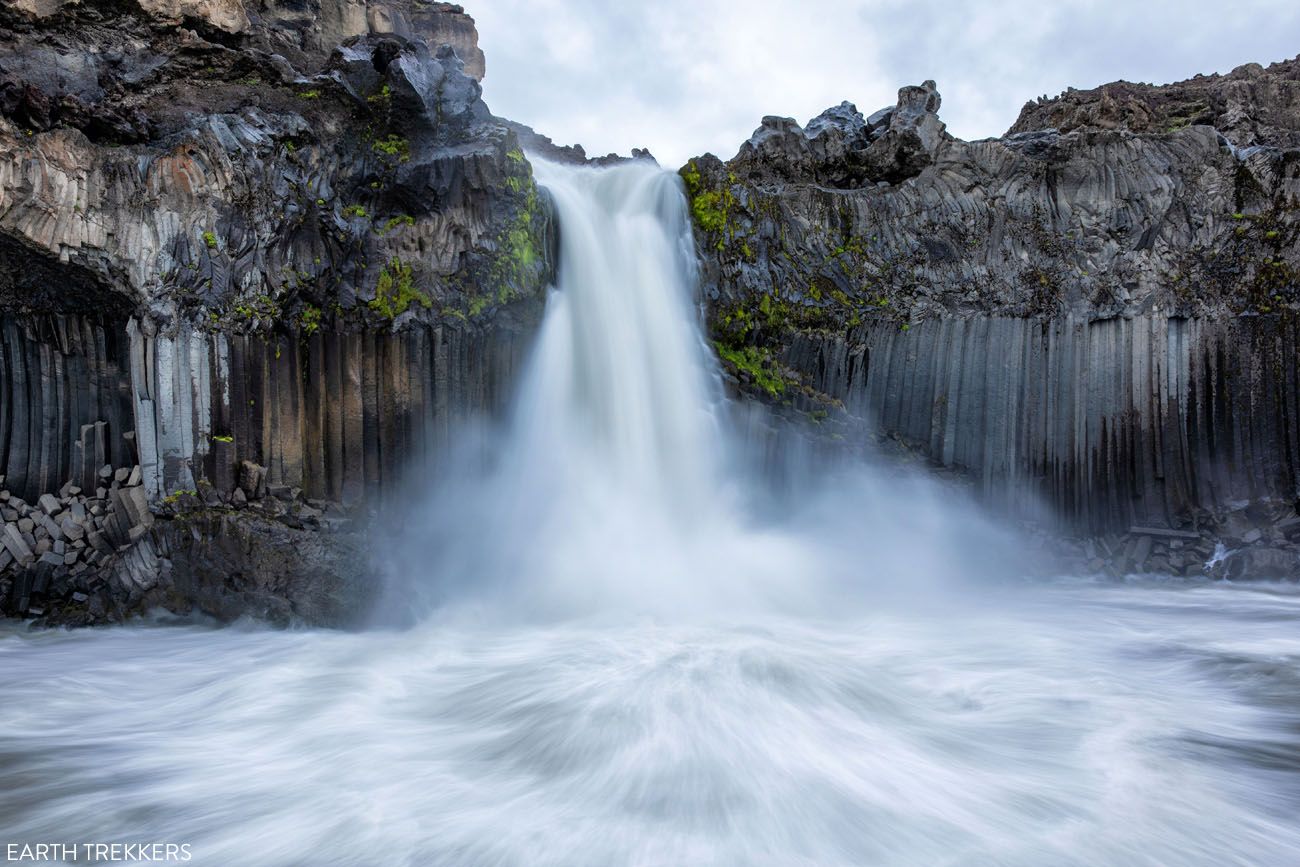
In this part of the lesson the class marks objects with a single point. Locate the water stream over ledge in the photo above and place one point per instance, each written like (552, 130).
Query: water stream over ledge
(619, 658)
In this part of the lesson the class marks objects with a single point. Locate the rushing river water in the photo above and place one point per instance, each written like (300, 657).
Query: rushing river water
(1061, 725)
(619, 650)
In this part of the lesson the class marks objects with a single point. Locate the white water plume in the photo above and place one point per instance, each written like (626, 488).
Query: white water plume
(618, 486)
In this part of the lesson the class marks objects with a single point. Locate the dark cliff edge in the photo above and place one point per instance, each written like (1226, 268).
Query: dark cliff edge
(1096, 315)
(255, 261)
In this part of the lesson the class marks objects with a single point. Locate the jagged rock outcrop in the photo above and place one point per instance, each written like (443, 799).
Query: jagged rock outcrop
(1101, 320)
(1252, 105)
(302, 32)
(842, 149)
(282, 235)
(246, 192)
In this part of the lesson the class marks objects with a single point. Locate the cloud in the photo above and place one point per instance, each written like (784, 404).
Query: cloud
(687, 76)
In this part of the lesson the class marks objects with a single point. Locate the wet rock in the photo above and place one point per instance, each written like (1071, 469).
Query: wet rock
(1289, 528)
(1259, 564)
(230, 566)
(252, 480)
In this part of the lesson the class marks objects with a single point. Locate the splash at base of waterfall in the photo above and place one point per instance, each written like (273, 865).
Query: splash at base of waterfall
(1076, 726)
(619, 485)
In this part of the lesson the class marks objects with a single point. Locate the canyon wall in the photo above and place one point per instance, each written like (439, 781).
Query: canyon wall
(1097, 322)
(256, 261)
(259, 260)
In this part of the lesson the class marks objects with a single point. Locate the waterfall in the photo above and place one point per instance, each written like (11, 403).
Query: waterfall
(612, 484)
(623, 390)
(614, 658)
(617, 485)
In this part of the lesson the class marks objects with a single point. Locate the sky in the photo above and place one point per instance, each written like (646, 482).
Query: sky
(683, 77)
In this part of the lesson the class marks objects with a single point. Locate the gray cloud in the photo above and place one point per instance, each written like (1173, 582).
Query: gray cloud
(687, 76)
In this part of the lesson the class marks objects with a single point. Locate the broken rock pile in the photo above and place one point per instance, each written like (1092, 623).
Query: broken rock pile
(71, 543)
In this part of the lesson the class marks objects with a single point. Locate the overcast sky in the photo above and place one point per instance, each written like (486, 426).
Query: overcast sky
(687, 76)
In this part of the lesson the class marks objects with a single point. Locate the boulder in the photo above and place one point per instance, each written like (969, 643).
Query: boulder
(1259, 564)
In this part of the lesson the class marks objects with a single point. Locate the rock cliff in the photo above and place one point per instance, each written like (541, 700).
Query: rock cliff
(257, 260)
(1098, 313)
(280, 238)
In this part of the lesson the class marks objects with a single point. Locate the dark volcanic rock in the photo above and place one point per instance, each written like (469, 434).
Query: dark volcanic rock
(281, 236)
(842, 149)
(253, 198)
(1101, 321)
(1252, 105)
(232, 565)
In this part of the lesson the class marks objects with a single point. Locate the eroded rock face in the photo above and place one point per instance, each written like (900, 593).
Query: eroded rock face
(307, 31)
(842, 149)
(303, 31)
(255, 192)
(1098, 320)
(1252, 105)
(227, 241)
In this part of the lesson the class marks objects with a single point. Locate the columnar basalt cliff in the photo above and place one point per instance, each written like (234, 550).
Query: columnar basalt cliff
(258, 260)
(1098, 313)
(257, 256)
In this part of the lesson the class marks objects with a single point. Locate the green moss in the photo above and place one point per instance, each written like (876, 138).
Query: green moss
(392, 146)
(708, 211)
(395, 292)
(309, 94)
(514, 269)
(691, 176)
(310, 319)
(210, 239)
(221, 439)
(515, 155)
(259, 307)
(175, 496)
(711, 209)
(755, 362)
(354, 211)
(394, 222)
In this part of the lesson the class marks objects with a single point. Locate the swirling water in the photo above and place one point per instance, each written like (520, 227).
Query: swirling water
(616, 655)
(1065, 725)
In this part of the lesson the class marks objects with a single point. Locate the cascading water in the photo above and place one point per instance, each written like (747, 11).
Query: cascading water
(617, 487)
(615, 441)
(619, 661)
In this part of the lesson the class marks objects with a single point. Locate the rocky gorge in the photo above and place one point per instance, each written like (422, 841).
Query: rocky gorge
(1093, 318)
(259, 260)
(282, 244)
